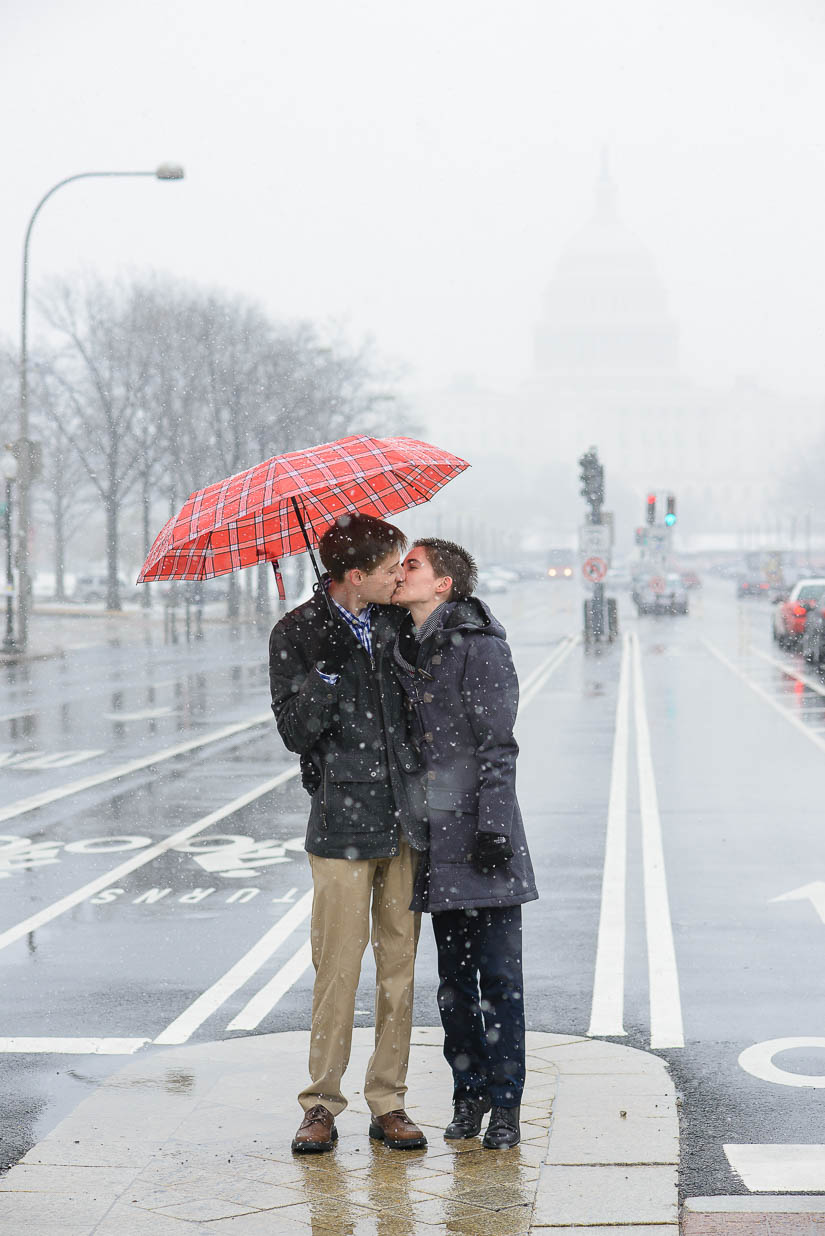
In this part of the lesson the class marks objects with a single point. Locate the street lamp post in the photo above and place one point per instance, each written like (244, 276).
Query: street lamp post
(166, 171)
(8, 468)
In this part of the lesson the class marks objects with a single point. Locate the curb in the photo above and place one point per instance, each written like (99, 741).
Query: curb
(754, 1216)
(613, 1153)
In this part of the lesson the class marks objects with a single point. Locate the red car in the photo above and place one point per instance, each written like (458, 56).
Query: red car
(789, 616)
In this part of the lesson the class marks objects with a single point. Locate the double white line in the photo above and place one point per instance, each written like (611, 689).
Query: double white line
(607, 1011)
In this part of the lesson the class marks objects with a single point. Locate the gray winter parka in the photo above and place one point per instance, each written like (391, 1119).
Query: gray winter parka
(358, 760)
(464, 691)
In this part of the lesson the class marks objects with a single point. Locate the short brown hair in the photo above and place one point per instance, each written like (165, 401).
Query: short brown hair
(447, 558)
(358, 543)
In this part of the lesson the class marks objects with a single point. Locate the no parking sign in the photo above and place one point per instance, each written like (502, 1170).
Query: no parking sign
(594, 569)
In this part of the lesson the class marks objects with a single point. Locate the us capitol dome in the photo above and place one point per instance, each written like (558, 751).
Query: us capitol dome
(605, 311)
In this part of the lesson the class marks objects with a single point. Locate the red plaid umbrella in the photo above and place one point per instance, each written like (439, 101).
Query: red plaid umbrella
(284, 505)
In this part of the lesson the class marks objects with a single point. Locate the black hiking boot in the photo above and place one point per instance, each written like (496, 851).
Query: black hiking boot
(467, 1114)
(503, 1128)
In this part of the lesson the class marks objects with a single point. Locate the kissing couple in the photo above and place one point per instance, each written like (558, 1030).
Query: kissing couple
(397, 690)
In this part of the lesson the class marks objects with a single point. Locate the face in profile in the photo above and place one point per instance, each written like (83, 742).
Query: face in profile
(378, 585)
(420, 582)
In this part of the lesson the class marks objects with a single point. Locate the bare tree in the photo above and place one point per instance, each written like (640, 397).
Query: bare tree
(102, 368)
(63, 495)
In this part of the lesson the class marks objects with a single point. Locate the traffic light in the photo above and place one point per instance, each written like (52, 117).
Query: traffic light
(592, 479)
(670, 517)
(651, 508)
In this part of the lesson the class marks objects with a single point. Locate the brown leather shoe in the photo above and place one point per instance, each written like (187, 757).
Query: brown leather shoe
(397, 1131)
(316, 1132)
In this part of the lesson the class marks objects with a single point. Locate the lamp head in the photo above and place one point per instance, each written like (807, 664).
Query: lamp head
(8, 465)
(169, 171)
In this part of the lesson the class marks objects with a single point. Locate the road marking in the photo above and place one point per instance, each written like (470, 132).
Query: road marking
(811, 683)
(31, 760)
(607, 1009)
(146, 714)
(758, 1061)
(24, 805)
(144, 856)
(765, 695)
(252, 1014)
(666, 1028)
(779, 1168)
(210, 1000)
(539, 669)
(813, 892)
(547, 668)
(75, 1047)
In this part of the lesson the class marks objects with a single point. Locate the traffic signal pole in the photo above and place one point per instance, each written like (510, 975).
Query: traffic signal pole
(600, 621)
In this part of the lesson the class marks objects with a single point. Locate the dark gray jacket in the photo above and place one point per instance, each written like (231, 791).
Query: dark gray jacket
(464, 689)
(358, 759)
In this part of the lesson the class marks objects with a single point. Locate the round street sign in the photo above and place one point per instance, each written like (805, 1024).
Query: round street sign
(594, 569)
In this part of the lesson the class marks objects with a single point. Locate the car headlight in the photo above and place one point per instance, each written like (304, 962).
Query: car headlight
(552, 572)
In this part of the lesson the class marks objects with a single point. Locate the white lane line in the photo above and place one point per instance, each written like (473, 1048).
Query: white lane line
(24, 805)
(555, 661)
(59, 759)
(779, 1168)
(75, 1047)
(539, 669)
(666, 1028)
(766, 696)
(607, 1008)
(144, 856)
(811, 683)
(253, 1013)
(211, 999)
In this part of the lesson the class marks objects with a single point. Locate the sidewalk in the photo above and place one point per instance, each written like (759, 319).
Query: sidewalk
(196, 1139)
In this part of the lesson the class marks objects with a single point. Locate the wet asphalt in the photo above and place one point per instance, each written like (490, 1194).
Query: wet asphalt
(737, 744)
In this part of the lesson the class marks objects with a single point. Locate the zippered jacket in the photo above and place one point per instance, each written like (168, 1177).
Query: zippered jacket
(358, 760)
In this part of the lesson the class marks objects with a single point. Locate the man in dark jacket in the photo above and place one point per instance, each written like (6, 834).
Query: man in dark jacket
(339, 705)
(457, 669)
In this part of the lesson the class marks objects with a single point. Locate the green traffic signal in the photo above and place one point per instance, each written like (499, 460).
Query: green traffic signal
(670, 519)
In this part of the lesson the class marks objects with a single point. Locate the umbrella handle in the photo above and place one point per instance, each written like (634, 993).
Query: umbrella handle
(300, 519)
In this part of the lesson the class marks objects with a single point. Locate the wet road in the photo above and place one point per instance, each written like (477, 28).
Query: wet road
(155, 889)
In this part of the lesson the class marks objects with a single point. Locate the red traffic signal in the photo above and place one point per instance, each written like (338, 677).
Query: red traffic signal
(651, 508)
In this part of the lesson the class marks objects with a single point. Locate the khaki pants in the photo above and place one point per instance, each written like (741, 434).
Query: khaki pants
(343, 890)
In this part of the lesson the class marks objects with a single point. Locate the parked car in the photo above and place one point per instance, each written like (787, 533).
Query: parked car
(790, 616)
(660, 594)
(489, 582)
(91, 588)
(691, 580)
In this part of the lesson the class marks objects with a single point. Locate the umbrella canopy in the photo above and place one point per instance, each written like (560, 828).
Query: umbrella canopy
(284, 505)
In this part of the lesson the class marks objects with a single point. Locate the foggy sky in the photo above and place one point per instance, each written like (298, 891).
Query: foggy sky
(415, 170)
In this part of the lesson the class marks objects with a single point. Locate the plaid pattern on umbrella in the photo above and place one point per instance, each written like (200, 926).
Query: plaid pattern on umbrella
(250, 517)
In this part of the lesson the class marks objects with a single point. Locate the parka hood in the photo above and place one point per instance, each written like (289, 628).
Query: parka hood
(471, 615)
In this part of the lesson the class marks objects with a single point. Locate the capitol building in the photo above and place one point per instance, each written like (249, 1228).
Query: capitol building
(607, 373)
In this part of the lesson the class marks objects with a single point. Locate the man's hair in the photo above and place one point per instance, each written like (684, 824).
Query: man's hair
(447, 558)
(358, 542)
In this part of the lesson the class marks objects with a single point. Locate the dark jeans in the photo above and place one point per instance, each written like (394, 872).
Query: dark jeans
(481, 1002)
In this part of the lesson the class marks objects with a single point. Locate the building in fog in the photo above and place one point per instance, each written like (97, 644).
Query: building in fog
(607, 372)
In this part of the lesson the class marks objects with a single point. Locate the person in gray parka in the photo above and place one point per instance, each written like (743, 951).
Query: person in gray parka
(455, 665)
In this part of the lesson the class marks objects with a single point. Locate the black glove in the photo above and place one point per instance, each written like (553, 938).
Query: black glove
(337, 647)
(491, 850)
